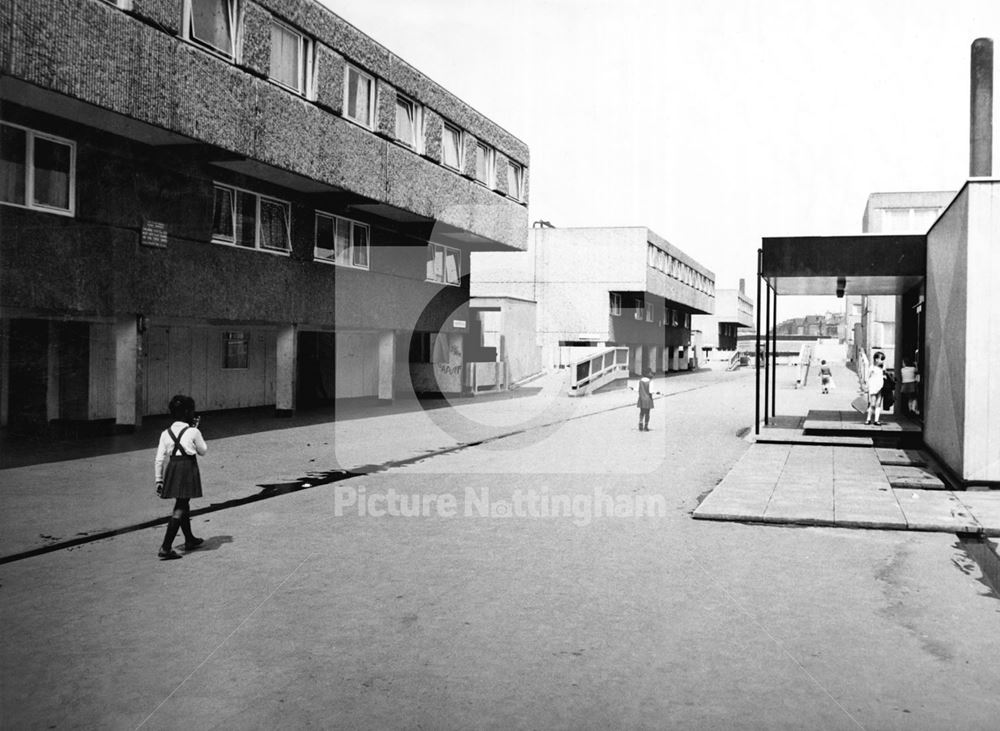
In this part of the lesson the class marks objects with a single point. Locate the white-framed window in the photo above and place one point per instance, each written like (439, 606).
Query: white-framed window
(515, 180)
(484, 164)
(37, 170)
(213, 24)
(616, 303)
(123, 4)
(673, 318)
(650, 255)
(359, 97)
(650, 312)
(444, 264)
(452, 146)
(236, 350)
(342, 241)
(640, 309)
(249, 220)
(291, 58)
(409, 123)
(687, 320)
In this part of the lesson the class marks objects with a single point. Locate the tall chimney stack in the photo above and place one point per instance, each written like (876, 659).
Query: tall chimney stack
(981, 110)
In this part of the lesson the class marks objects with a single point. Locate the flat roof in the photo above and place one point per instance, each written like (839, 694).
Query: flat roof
(868, 264)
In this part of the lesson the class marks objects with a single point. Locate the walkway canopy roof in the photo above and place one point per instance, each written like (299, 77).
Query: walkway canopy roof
(838, 265)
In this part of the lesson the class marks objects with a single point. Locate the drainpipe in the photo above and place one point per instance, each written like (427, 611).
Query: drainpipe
(981, 110)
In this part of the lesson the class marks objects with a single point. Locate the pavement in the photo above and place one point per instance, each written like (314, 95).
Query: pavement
(71, 492)
(817, 463)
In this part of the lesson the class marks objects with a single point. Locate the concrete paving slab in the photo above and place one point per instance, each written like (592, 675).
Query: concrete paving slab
(901, 457)
(985, 506)
(935, 510)
(915, 477)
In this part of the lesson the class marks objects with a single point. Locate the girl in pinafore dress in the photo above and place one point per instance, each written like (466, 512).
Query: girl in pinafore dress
(177, 474)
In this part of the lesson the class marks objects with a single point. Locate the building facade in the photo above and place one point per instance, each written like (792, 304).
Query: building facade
(872, 320)
(597, 287)
(249, 201)
(719, 331)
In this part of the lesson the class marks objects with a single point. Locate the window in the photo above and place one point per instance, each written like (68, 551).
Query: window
(650, 313)
(242, 218)
(291, 58)
(236, 350)
(342, 241)
(484, 164)
(673, 318)
(616, 304)
(213, 24)
(359, 94)
(515, 175)
(409, 123)
(443, 264)
(123, 4)
(639, 309)
(687, 320)
(37, 171)
(452, 148)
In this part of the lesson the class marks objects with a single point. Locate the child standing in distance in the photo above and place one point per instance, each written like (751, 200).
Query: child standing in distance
(908, 377)
(645, 400)
(875, 380)
(177, 474)
(825, 376)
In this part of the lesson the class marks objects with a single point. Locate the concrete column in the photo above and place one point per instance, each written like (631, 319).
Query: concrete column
(4, 371)
(676, 358)
(286, 353)
(386, 364)
(128, 412)
(981, 109)
(52, 379)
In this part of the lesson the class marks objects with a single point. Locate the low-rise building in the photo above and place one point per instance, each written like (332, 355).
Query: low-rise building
(719, 331)
(596, 287)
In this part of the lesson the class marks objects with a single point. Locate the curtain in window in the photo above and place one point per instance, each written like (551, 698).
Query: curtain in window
(342, 242)
(222, 217)
(274, 225)
(13, 151)
(324, 237)
(212, 22)
(481, 173)
(405, 122)
(358, 97)
(452, 152)
(286, 64)
(246, 219)
(360, 241)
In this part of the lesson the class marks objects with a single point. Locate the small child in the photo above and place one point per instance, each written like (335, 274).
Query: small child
(177, 474)
(825, 376)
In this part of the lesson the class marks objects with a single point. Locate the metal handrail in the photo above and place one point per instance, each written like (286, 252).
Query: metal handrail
(593, 371)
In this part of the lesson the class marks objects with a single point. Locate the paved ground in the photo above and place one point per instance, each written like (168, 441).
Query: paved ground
(303, 615)
(787, 477)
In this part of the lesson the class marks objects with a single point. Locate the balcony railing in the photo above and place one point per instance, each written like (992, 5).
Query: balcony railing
(598, 369)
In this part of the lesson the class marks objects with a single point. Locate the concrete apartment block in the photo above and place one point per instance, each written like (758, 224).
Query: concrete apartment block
(261, 206)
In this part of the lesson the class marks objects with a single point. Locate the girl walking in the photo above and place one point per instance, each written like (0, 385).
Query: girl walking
(176, 471)
(645, 400)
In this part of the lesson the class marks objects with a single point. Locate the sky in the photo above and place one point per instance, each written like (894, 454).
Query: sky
(713, 122)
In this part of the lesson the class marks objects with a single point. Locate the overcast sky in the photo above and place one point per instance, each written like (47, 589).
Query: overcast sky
(712, 122)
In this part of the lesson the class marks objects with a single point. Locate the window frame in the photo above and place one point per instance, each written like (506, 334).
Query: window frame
(29, 172)
(490, 163)
(244, 356)
(518, 170)
(370, 124)
(650, 311)
(120, 4)
(352, 258)
(235, 26)
(306, 63)
(460, 143)
(431, 247)
(258, 198)
(616, 304)
(417, 123)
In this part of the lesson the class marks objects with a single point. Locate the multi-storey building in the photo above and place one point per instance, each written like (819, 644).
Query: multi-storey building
(249, 201)
(595, 287)
(872, 319)
(733, 310)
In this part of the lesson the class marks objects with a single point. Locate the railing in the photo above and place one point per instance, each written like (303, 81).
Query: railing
(735, 361)
(598, 369)
(805, 361)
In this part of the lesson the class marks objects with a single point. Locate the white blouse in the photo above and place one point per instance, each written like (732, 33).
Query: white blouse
(191, 442)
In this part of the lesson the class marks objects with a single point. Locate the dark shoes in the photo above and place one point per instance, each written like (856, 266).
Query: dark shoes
(193, 544)
(168, 554)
